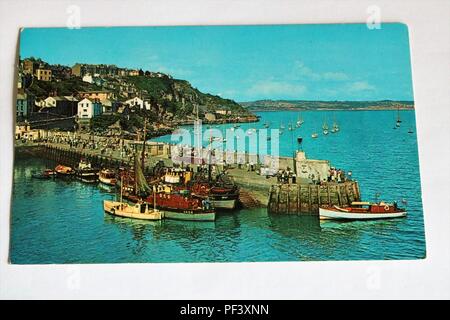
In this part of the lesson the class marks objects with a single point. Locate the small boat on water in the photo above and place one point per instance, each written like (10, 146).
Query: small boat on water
(141, 210)
(85, 172)
(108, 177)
(46, 174)
(410, 130)
(362, 211)
(299, 121)
(325, 132)
(314, 135)
(64, 171)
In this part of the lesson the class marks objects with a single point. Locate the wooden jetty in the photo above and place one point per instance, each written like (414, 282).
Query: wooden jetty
(305, 199)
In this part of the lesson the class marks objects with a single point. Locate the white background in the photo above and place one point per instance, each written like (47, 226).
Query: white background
(429, 29)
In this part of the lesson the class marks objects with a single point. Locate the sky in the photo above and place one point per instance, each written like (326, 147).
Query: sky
(246, 63)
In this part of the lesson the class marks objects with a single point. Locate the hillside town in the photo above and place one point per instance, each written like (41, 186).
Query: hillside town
(100, 98)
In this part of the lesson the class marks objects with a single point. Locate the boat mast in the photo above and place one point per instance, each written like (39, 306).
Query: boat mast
(154, 198)
(143, 145)
(121, 188)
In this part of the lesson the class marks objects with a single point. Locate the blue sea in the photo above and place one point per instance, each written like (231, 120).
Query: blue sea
(63, 221)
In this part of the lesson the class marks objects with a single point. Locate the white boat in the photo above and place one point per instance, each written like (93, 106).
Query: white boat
(314, 135)
(325, 132)
(141, 211)
(362, 211)
(108, 177)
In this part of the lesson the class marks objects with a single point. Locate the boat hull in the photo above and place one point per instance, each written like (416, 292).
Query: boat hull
(107, 181)
(228, 204)
(327, 214)
(113, 208)
(189, 215)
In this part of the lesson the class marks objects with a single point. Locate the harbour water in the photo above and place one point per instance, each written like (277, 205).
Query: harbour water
(63, 221)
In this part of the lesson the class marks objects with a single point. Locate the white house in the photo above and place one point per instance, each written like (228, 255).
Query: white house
(88, 109)
(134, 102)
(88, 78)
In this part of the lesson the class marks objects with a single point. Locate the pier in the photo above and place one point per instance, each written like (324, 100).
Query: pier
(305, 199)
(302, 197)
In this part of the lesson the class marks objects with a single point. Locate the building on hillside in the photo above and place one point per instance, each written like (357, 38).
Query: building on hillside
(20, 81)
(81, 69)
(44, 74)
(138, 102)
(108, 106)
(88, 78)
(29, 66)
(24, 105)
(87, 110)
(93, 95)
(210, 116)
(223, 112)
(133, 73)
(60, 72)
(63, 106)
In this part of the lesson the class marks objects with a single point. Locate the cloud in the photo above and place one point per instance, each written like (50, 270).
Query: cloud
(360, 86)
(270, 88)
(300, 69)
(335, 76)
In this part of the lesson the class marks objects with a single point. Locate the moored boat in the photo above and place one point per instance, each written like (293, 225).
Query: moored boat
(221, 197)
(141, 210)
(362, 211)
(85, 172)
(64, 171)
(46, 174)
(178, 205)
(108, 177)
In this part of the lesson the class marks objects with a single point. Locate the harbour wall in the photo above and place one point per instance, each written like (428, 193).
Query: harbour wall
(305, 199)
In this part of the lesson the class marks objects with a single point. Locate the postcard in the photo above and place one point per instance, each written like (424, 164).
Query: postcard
(262, 143)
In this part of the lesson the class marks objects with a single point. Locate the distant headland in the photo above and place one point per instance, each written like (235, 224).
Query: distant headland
(275, 105)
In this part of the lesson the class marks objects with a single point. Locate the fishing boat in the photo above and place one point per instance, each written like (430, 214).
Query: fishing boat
(299, 140)
(222, 195)
(410, 130)
(362, 211)
(290, 128)
(46, 174)
(141, 210)
(267, 125)
(282, 127)
(107, 177)
(177, 204)
(314, 135)
(85, 172)
(325, 132)
(64, 171)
